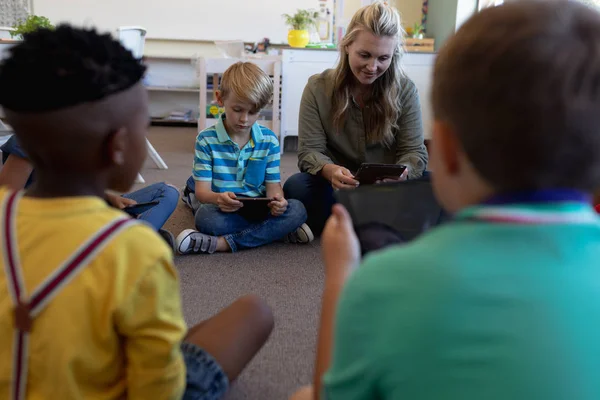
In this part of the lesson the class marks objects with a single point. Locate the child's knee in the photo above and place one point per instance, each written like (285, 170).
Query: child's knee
(170, 191)
(259, 312)
(205, 219)
(297, 211)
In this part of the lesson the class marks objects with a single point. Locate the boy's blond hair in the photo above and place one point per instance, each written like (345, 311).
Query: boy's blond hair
(248, 83)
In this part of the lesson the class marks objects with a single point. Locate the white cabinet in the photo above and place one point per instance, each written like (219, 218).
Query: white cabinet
(299, 65)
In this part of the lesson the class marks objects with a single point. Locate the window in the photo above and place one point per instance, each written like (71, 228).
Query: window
(593, 3)
(13, 11)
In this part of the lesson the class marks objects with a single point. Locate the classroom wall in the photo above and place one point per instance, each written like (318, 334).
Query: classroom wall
(409, 9)
(441, 20)
(445, 16)
(178, 48)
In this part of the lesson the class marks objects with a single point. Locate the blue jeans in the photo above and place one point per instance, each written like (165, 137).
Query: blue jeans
(316, 193)
(243, 234)
(167, 197)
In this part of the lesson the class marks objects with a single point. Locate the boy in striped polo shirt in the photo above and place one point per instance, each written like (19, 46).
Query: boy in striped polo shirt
(504, 301)
(238, 158)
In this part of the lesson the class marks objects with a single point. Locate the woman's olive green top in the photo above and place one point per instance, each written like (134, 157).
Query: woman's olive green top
(319, 143)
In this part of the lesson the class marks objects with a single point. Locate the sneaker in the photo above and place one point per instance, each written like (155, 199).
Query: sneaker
(300, 235)
(193, 242)
(189, 198)
(169, 238)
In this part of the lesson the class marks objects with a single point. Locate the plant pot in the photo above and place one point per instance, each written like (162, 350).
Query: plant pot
(298, 38)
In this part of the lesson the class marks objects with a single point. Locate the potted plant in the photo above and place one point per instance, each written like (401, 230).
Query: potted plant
(32, 23)
(299, 23)
(417, 31)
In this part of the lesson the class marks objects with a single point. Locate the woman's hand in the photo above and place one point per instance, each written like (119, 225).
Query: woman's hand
(278, 206)
(340, 177)
(228, 202)
(402, 177)
(119, 202)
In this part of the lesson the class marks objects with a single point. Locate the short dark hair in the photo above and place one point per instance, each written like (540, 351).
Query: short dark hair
(520, 86)
(55, 69)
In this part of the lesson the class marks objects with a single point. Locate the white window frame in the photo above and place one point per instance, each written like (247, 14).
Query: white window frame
(489, 3)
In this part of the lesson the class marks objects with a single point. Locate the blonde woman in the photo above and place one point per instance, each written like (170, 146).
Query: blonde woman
(364, 110)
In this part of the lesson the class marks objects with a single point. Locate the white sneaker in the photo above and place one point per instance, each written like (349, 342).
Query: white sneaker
(193, 242)
(189, 198)
(301, 235)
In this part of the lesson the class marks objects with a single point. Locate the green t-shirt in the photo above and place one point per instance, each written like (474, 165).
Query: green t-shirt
(475, 310)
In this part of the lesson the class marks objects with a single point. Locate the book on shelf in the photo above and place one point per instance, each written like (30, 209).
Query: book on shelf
(179, 116)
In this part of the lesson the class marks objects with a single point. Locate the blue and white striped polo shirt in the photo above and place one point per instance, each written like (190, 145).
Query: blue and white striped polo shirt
(242, 171)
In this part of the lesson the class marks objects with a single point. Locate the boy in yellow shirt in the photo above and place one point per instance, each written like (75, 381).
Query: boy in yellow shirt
(89, 299)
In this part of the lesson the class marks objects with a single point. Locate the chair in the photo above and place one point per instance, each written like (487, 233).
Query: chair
(133, 38)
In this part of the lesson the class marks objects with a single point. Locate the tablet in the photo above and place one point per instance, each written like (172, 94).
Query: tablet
(369, 173)
(407, 207)
(255, 208)
(139, 208)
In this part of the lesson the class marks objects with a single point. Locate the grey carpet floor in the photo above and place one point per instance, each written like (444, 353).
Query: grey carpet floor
(288, 277)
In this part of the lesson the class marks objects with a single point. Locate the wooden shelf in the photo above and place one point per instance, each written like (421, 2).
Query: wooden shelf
(419, 45)
(168, 122)
(194, 124)
(174, 89)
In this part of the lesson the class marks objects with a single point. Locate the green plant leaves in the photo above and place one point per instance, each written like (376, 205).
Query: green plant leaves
(302, 19)
(32, 23)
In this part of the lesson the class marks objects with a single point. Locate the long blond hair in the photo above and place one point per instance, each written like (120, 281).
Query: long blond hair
(384, 108)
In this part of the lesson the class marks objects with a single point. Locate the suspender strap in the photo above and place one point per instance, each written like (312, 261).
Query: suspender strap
(26, 309)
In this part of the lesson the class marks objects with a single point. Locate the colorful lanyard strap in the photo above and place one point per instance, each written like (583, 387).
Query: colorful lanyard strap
(27, 308)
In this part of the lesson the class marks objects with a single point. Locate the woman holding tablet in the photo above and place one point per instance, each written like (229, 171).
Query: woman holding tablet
(363, 111)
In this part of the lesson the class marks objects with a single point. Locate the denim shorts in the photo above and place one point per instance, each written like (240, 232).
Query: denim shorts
(205, 379)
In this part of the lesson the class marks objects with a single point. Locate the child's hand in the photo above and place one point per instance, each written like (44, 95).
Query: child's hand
(119, 202)
(228, 202)
(278, 205)
(341, 249)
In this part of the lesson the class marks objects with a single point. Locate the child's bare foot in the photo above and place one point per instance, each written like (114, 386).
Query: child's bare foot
(191, 241)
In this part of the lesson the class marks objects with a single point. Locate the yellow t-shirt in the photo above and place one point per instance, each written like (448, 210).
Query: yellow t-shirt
(115, 329)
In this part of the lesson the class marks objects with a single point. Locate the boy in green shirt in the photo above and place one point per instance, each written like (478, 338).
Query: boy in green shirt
(503, 302)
